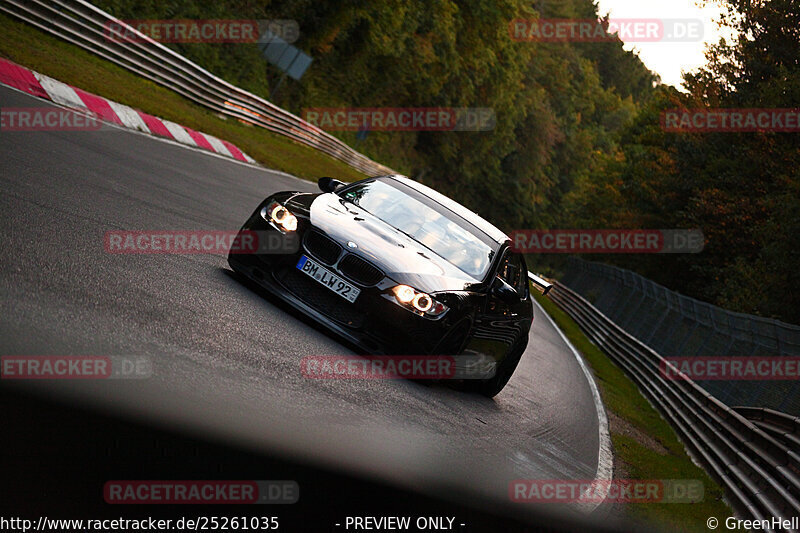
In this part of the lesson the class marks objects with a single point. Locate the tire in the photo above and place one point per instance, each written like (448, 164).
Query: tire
(492, 387)
(454, 341)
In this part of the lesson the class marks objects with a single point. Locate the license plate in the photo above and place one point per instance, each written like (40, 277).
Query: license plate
(328, 279)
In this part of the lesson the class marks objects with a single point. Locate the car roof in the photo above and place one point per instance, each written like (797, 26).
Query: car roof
(473, 218)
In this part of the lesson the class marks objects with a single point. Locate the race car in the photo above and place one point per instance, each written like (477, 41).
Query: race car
(395, 268)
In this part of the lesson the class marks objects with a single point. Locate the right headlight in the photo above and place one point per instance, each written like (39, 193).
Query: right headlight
(421, 302)
(280, 216)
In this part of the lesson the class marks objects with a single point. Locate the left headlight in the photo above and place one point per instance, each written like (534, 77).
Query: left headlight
(418, 301)
(280, 216)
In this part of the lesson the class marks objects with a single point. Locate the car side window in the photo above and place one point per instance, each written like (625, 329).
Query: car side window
(524, 286)
(513, 272)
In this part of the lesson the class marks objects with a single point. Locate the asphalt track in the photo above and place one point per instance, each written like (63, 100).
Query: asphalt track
(226, 359)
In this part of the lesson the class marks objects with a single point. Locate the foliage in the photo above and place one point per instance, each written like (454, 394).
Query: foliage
(741, 189)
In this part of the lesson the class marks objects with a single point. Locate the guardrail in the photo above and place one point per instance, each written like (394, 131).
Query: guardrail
(674, 324)
(87, 26)
(761, 473)
(784, 427)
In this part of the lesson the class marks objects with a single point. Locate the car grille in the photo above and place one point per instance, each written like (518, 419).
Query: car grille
(322, 247)
(323, 300)
(360, 271)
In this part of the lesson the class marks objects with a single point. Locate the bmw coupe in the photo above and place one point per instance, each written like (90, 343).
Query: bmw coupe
(396, 268)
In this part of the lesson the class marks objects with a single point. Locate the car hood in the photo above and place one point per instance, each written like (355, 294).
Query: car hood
(400, 257)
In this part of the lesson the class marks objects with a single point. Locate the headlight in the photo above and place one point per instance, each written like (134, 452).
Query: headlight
(418, 301)
(423, 302)
(280, 216)
(404, 294)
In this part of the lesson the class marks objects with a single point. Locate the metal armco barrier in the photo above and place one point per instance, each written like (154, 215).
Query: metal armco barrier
(761, 472)
(86, 26)
(676, 325)
(783, 426)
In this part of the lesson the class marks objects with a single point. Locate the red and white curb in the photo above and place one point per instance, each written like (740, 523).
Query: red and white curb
(48, 88)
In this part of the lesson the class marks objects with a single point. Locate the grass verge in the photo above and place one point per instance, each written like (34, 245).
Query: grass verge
(645, 445)
(37, 50)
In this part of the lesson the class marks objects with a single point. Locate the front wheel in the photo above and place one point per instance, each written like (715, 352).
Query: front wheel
(491, 387)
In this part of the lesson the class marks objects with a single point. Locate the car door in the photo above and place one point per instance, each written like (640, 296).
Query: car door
(504, 317)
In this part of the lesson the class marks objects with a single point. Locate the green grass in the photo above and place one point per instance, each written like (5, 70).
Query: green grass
(44, 53)
(638, 457)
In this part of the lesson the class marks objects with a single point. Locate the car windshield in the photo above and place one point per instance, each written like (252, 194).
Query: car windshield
(437, 231)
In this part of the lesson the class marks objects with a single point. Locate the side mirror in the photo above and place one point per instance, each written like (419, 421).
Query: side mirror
(329, 184)
(504, 291)
(542, 284)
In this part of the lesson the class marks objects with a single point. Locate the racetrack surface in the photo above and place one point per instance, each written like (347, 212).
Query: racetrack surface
(226, 358)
